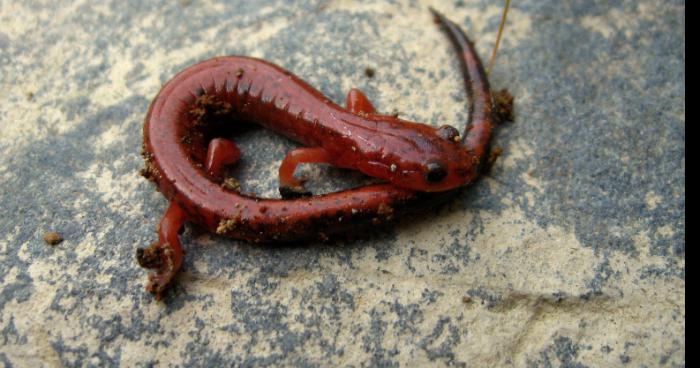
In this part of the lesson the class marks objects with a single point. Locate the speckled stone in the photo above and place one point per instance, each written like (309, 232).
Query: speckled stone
(571, 252)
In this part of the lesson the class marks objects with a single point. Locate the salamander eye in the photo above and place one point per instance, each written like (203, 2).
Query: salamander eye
(447, 132)
(436, 172)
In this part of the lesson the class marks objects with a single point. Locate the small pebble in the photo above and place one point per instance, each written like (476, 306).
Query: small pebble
(52, 238)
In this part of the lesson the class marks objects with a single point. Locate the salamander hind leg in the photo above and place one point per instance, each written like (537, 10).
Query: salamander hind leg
(221, 152)
(291, 187)
(165, 255)
(358, 103)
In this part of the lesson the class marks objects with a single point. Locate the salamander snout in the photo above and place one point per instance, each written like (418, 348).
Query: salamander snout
(416, 156)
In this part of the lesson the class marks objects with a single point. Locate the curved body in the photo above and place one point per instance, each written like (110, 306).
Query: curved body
(199, 101)
(263, 93)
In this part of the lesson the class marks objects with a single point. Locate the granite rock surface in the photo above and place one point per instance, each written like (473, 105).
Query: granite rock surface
(570, 252)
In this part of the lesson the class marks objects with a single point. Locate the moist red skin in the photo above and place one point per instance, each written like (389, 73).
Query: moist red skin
(357, 138)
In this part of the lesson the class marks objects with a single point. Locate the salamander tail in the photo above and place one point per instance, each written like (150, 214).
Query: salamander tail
(480, 122)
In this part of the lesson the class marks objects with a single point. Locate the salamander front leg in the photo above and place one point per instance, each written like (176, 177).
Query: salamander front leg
(165, 255)
(291, 187)
(358, 103)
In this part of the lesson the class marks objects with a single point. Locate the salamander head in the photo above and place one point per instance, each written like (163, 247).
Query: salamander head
(420, 157)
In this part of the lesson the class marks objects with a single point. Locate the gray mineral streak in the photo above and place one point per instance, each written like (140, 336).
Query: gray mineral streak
(570, 252)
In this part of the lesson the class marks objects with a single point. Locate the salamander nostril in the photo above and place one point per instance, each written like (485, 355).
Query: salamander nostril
(436, 173)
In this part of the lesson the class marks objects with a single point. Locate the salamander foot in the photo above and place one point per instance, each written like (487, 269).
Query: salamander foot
(166, 255)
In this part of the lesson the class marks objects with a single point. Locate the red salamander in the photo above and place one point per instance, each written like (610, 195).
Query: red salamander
(185, 158)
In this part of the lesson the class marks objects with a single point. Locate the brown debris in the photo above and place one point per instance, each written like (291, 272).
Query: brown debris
(52, 238)
(231, 184)
(150, 257)
(226, 225)
(150, 172)
(209, 105)
(386, 210)
(186, 139)
(503, 102)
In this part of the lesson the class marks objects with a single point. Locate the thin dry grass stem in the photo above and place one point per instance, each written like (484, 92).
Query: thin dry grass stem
(498, 37)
